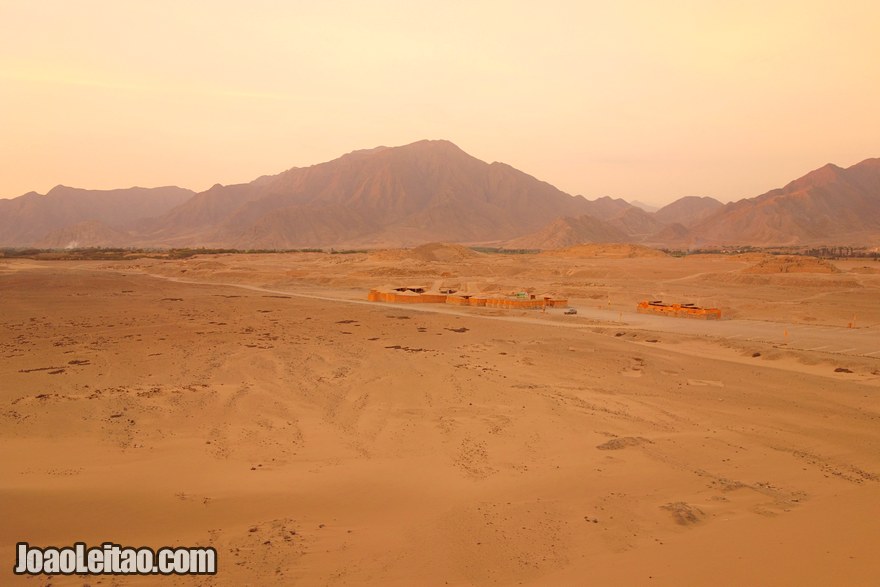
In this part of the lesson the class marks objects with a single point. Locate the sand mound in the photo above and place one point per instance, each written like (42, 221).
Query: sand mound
(785, 264)
(865, 270)
(750, 257)
(444, 252)
(606, 250)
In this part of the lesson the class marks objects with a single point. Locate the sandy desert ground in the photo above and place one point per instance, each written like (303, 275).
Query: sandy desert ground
(259, 404)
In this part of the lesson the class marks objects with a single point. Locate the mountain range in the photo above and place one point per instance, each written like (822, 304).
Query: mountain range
(429, 191)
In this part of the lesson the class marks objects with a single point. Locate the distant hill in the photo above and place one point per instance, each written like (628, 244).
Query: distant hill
(606, 208)
(687, 211)
(636, 223)
(429, 190)
(566, 232)
(828, 205)
(88, 234)
(644, 206)
(32, 217)
(434, 191)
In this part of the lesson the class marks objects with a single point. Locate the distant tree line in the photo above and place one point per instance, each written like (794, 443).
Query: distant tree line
(118, 253)
(824, 252)
(842, 252)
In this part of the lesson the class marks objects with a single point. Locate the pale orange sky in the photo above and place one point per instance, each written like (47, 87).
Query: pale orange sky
(640, 100)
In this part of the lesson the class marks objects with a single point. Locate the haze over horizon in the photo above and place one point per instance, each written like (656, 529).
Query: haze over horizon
(632, 100)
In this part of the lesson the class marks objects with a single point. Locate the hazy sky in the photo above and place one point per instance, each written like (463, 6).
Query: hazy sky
(643, 100)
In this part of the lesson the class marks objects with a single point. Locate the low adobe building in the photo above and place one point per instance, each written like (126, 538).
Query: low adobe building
(678, 310)
(446, 295)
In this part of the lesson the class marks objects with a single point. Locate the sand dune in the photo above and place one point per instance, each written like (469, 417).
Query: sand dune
(314, 438)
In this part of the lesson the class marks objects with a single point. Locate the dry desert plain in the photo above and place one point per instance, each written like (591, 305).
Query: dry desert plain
(259, 404)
